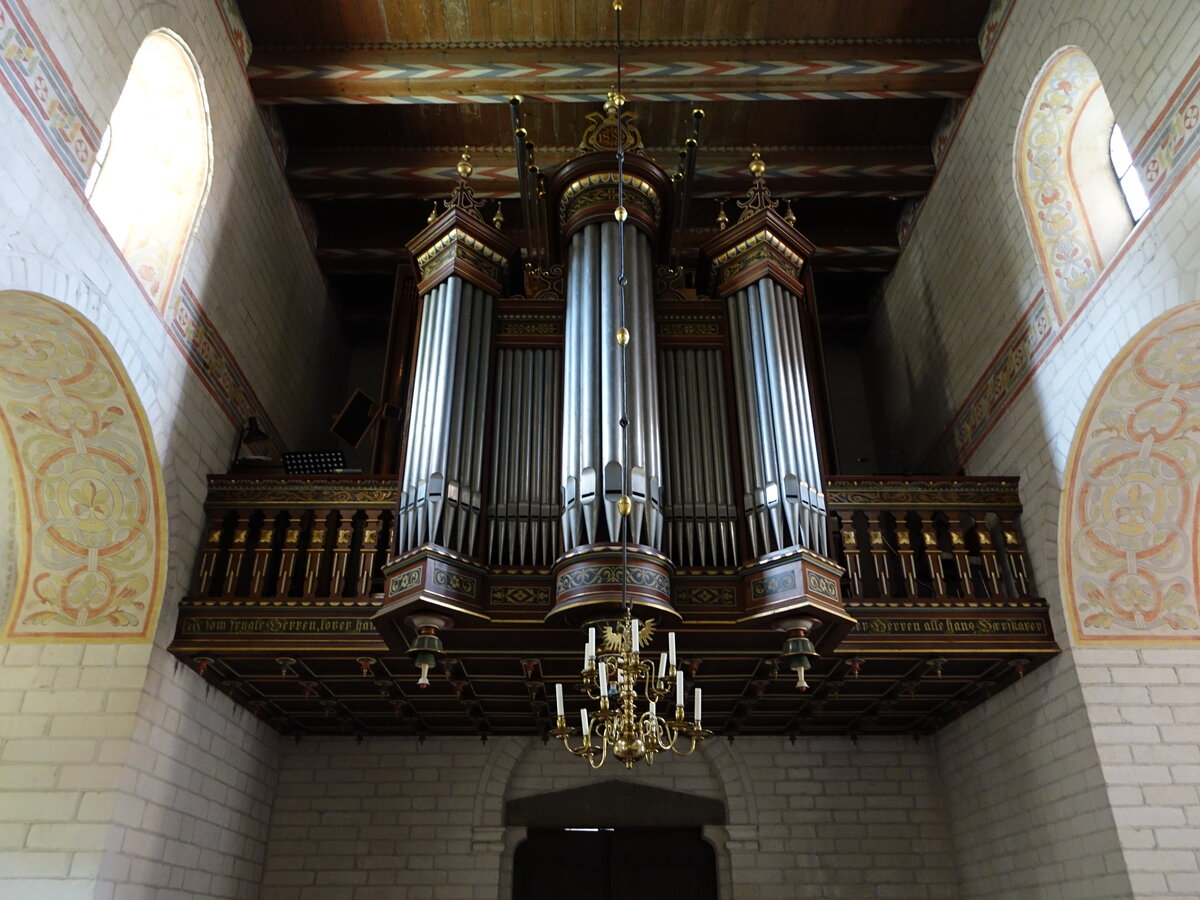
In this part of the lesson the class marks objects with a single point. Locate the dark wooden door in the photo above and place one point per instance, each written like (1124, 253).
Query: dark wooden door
(614, 864)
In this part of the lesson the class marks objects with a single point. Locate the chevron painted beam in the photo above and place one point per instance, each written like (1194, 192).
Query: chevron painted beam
(583, 75)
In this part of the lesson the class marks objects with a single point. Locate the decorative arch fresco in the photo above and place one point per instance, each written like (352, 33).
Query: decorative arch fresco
(1067, 191)
(1129, 522)
(81, 481)
(155, 163)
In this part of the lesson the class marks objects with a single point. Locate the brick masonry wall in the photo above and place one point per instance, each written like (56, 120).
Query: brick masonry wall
(1082, 779)
(122, 775)
(390, 818)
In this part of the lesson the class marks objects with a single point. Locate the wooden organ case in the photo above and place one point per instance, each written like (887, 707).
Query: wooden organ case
(497, 538)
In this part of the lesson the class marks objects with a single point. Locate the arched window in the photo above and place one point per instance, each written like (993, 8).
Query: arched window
(154, 163)
(1069, 192)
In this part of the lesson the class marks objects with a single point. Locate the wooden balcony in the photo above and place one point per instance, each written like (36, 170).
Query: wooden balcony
(290, 577)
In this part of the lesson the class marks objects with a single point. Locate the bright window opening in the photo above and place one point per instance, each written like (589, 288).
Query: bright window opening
(1127, 174)
(154, 163)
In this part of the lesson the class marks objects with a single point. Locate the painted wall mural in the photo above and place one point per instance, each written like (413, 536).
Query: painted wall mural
(1128, 523)
(1050, 198)
(91, 521)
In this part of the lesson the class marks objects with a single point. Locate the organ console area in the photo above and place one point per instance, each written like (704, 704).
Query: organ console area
(544, 406)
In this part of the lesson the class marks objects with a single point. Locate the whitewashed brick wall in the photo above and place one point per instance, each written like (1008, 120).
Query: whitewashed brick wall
(122, 775)
(1082, 779)
(390, 818)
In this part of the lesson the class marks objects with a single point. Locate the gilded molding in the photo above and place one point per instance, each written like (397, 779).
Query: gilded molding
(915, 494)
(601, 188)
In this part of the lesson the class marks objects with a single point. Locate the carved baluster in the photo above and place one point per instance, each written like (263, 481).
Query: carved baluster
(343, 536)
(287, 556)
(853, 555)
(879, 552)
(1014, 551)
(366, 555)
(208, 556)
(316, 549)
(237, 552)
(933, 553)
(908, 557)
(962, 557)
(262, 556)
(991, 561)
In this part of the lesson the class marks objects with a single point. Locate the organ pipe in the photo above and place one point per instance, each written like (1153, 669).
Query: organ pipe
(593, 476)
(700, 508)
(781, 466)
(464, 266)
(440, 486)
(759, 269)
(523, 499)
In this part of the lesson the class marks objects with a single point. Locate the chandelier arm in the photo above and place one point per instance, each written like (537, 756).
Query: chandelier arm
(689, 751)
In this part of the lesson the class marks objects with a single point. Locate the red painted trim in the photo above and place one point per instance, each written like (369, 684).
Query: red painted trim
(54, 59)
(1167, 109)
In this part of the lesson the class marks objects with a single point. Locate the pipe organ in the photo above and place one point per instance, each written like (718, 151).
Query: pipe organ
(514, 461)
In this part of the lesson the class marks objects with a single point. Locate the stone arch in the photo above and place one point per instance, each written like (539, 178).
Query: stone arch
(154, 166)
(1128, 521)
(731, 769)
(1074, 212)
(494, 776)
(527, 769)
(85, 480)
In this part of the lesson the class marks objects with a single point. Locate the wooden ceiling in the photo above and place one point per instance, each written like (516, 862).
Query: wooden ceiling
(376, 99)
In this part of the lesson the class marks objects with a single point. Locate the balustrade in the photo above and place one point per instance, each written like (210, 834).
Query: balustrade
(306, 537)
(298, 537)
(909, 537)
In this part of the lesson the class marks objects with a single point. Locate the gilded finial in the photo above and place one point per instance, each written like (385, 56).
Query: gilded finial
(433, 213)
(758, 168)
(789, 216)
(758, 197)
(722, 219)
(462, 197)
(498, 218)
(464, 167)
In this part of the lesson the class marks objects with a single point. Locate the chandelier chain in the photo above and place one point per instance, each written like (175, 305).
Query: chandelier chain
(622, 282)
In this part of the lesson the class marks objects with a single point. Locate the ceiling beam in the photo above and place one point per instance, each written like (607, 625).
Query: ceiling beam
(406, 174)
(585, 74)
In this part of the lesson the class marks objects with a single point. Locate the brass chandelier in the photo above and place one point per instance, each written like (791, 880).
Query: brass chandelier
(616, 675)
(619, 677)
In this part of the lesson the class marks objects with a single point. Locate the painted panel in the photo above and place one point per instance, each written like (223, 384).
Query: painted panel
(90, 509)
(1128, 523)
(1049, 197)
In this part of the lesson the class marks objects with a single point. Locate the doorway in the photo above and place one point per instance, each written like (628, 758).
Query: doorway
(614, 864)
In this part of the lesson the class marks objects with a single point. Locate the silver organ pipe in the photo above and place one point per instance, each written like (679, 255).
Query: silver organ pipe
(523, 503)
(781, 467)
(700, 509)
(592, 477)
(440, 488)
